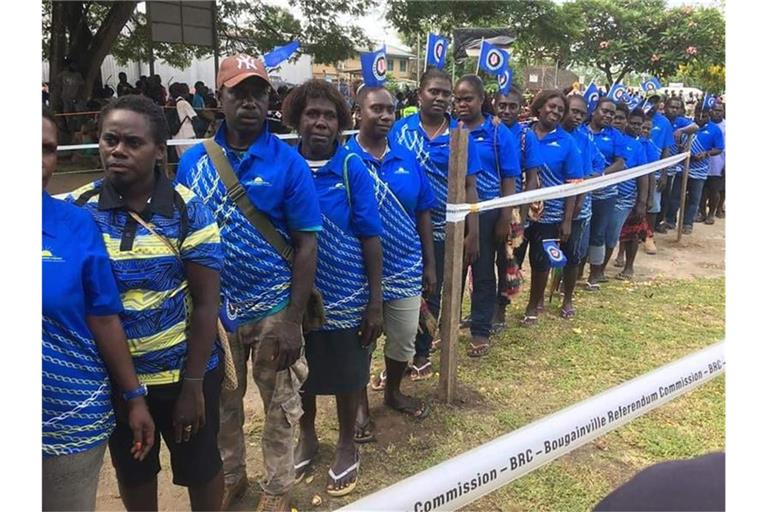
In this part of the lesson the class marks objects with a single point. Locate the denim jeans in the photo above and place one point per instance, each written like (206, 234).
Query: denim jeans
(484, 277)
(617, 220)
(693, 198)
(424, 340)
(602, 211)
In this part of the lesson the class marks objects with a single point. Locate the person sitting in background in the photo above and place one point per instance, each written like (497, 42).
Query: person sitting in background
(83, 347)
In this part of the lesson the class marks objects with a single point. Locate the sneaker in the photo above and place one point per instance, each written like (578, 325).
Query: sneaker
(232, 493)
(687, 230)
(650, 246)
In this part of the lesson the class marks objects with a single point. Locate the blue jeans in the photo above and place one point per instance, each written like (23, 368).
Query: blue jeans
(424, 340)
(602, 211)
(484, 277)
(617, 220)
(693, 198)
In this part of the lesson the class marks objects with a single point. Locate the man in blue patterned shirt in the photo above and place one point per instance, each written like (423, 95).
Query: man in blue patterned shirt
(266, 294)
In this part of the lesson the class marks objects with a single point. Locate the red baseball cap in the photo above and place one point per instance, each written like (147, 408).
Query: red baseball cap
(236, 68)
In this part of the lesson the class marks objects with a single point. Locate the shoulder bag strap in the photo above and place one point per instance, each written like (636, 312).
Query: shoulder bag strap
(236, 193)
(149, 228)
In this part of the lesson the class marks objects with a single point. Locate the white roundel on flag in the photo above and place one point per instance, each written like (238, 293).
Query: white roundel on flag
(380, 67)
(494, 60)
(555, 253)
(620, 92)
(503, 79)
(438, 51)
(593, 97)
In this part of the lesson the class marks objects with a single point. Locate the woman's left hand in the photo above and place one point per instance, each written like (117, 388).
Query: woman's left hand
(189, 411)
(373, 323)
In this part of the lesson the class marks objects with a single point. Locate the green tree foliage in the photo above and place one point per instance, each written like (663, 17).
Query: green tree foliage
(250, 26)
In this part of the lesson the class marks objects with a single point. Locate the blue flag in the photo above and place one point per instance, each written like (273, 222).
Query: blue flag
(633, 102)
(505, 81)
(556, 257)
(374, 67)
(708, 102)
(592, 94)
(493, 60)
(280, 54)
(437, 49)
(651, 85)
(646, 106)
(617, 92)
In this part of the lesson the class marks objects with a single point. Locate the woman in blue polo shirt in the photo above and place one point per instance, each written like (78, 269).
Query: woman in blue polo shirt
(631, 205)
(499, 155)
(166, 256)
(83, 346)
(610, 143)
(427, 137)
(562, 164)
(404, 197)
(349, 275)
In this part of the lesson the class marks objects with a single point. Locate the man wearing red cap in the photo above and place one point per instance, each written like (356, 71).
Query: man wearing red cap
(263, 294)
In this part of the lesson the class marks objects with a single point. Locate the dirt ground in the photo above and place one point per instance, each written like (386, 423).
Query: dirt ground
(701, 254)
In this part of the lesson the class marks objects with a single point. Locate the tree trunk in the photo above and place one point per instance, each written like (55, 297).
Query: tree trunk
(57, 53)
(623, 73)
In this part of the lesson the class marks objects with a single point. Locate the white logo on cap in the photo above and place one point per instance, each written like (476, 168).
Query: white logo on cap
(247, 62)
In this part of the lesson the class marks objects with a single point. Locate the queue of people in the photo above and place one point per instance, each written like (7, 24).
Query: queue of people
(298, 258)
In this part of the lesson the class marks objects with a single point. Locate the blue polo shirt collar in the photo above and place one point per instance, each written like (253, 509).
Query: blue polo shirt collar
(161, 201)
(556, 134)
(393, 152)
(258, 147)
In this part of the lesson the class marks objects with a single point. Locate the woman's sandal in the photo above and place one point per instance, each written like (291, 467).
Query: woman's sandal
(381, 382)
(350, 486)
(529, 320)
(591, 287)
(364, 433)
(478, 350)
(421, 372)
(435, 345)
(621, 276)
(303, 468)
(567, 314)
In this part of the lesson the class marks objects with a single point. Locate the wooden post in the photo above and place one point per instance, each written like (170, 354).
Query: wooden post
(454, 251)
(684, 190)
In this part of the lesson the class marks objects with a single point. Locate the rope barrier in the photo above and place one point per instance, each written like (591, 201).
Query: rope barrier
(457, 212)
(464, 479)
(185, 142)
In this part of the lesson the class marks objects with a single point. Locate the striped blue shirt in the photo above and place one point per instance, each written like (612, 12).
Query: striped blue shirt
(634, 155)
(432, 156)
(593, 165)
(349, 212)
(77, 281)
(256, 280)
(499, 157)
(679, 122)
(402, 190)
(609, 141)
(562, 163)
(708, 137)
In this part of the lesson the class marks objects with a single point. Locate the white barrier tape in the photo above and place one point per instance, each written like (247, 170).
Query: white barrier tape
(457, 212)
(186, 142)
(471, 475)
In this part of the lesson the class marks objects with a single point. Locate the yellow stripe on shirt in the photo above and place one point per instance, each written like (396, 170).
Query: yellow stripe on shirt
(165, 339)
(140, 300)
(207, 235)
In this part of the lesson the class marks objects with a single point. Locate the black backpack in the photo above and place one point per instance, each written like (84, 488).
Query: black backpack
(172, 118)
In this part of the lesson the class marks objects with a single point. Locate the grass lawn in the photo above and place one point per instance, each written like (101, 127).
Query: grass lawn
(624, 331)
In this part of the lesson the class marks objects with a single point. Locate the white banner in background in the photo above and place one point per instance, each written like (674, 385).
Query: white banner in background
(457, 212)
(459, 481)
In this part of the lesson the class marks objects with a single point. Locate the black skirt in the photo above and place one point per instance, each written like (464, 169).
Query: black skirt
(338, 363)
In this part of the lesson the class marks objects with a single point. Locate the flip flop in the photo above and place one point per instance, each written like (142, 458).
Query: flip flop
(421, 372)
(435, 345)
(618, 262)
(621, 276)
(301, 469)
(478, 350)
(417, 413)
(603, 279)
(529, 321)
(351, 486)
(567, 314)
(381, 384)
(364, 433)
(590, 287)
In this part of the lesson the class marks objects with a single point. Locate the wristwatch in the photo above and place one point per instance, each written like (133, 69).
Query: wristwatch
(135, 393)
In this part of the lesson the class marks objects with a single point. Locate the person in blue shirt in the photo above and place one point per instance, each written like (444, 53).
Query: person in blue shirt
(507, 109)
(404, 197)
(500, 163)
(265, 294)
(166, 256)
(427, 137)
(610, 143)
(562, 164)
(662, 137)
(714, 186)
(705, 143)
(83, 348)
(631, 205)
(593, 165)
(682, 128)
(349, 275)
